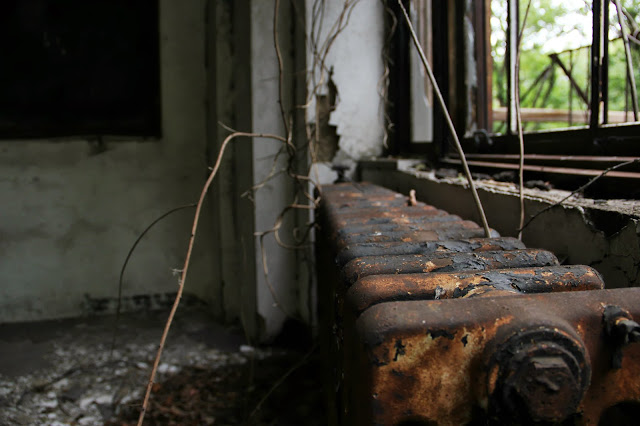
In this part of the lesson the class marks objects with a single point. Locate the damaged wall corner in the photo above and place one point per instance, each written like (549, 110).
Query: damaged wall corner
(356, 62)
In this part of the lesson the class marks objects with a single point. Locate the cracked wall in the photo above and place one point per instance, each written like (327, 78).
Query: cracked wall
(356, 64)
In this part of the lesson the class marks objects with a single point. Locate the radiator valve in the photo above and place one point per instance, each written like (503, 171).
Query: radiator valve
(540, 375)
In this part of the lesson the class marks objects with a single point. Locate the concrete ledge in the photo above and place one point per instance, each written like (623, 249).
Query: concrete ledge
(604, 234)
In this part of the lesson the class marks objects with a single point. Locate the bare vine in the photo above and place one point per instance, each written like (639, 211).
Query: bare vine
(187, 260)
(580, 189)
(126, 262)
(447, 116)
(519, 120)
(320, 49)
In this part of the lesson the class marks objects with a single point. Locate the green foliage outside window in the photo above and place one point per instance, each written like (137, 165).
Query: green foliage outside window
(562, 27)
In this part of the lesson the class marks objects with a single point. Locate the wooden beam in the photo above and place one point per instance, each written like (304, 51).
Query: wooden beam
(550, 115)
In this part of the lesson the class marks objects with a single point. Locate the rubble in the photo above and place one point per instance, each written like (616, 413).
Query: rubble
(71, 377)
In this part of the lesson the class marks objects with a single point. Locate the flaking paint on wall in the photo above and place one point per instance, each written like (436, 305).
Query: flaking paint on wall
(356, 62)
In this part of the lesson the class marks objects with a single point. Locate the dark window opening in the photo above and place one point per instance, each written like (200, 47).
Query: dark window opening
(75, 67)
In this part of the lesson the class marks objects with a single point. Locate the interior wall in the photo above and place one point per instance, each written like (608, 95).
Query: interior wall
(229, 92)
(356, 74)
(74, 207)
(252, 188)
(276, 277)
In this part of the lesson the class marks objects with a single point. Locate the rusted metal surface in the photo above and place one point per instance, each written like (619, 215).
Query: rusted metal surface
(441, 222)
(410, 348)
(354, 251)
(375, 289)
(413, 236)
(356, 188)
(400, 232)
(445, 262)
(432, 215)
(349, 206)
(360, 215)
(423, 321)
(621, 330)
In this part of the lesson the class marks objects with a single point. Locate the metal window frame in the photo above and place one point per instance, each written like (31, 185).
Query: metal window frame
(598, 137)
(594, 139)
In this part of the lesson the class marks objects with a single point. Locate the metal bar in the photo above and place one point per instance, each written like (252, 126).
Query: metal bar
(570, 90)
(416, 225)
(399, 88)
(376, 289)
(482, 104)
(545, 169)
(415, 236)
(454, 135)
(627, 51)
(604, 84)
(390, 215)
(562, 161)
(510, 58)
(554, 57)
(362, 267)
(472, 245)
(380, 233)
(556, 115)
(598, 159)
(363, 222)
(538, 79)
(596, 57)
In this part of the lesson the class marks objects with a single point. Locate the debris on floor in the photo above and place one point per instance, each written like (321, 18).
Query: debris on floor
(63, 373)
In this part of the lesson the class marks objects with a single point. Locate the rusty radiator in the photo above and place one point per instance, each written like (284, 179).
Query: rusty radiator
(425, 321)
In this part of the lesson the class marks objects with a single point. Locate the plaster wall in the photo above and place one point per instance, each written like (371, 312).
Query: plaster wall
(276, 274)
(73, 207)
(605, 235)
(229, 88)
(355, 58)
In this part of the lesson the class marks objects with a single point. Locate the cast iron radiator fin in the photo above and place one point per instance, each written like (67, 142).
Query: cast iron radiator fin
(425, 321)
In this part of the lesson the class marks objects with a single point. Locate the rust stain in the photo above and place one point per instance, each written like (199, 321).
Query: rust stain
(423, 310)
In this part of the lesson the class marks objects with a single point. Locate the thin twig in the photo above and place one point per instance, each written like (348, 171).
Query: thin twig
(412, 198)
(627, 52)
(282, 379)
(519, 120)
(185, 268)
(582, 188)
(447, 116)
(280, 66)
(124, 266)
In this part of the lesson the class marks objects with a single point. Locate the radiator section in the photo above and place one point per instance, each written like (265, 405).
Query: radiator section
(426, 321)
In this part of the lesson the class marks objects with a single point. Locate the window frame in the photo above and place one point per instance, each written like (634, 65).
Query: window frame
(594, 139)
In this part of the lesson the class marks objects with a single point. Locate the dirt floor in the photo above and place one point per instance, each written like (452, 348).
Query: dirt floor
(63, 373)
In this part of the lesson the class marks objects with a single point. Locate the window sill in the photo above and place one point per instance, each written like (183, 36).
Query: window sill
(602, 233)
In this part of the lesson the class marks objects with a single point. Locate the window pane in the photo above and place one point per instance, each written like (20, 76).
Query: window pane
(554, 63)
